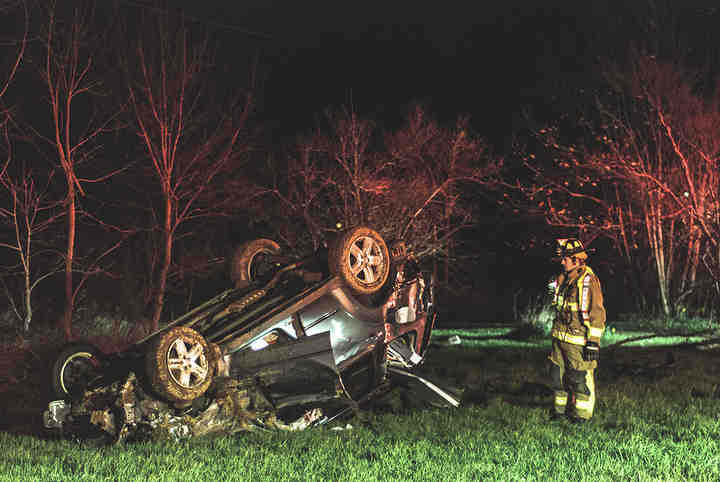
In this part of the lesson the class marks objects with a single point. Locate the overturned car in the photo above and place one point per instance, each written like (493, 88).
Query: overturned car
(292, 336)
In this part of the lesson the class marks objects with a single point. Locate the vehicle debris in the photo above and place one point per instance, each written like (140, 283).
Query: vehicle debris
(123, 411)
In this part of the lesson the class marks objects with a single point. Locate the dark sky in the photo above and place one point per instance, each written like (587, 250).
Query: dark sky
(382, 55)
(489, 60)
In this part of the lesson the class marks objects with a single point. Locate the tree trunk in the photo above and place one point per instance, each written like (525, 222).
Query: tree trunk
(69, 257)
(28, 301)
(653, 223)
(165, 264)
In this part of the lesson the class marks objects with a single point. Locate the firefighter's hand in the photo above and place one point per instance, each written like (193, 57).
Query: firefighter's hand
(591, 351)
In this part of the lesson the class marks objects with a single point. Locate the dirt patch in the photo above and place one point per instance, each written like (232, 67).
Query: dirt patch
(24, 387)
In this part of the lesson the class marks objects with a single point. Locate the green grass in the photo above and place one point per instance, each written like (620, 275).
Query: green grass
(663, 427)
(659, 439)
(505, 337)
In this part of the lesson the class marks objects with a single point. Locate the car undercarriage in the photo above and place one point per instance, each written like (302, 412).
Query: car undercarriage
(305, 337)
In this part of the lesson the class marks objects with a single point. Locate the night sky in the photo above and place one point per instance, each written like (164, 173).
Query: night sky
(491, 60)
(486, 61)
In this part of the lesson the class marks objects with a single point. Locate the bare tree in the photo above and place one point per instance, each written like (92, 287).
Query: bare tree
(294, 185)
(7, 7)
(646, 172)
(72, 85)
(418, 183)
(190, 139)
(442, 173)
(30, 213)
(356, 167)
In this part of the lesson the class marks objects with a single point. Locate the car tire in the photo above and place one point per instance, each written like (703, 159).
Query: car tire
(360, 257)
(75, 367)
(179, 365)
(248, 263)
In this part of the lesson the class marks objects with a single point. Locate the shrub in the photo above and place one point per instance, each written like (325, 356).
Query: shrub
(537, 318)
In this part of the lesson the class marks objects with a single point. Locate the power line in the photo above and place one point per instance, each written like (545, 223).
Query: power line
(236, 28)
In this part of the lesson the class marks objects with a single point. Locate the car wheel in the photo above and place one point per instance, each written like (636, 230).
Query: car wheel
(75, 367)
(361, 258)
(180, 365)
(251, 260)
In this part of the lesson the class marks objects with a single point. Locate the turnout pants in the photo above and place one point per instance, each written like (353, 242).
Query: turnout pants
(572, 380)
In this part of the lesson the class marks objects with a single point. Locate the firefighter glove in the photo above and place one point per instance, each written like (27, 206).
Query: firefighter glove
(591, 351)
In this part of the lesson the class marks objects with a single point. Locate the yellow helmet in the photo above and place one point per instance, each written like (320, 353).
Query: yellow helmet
(571, 247)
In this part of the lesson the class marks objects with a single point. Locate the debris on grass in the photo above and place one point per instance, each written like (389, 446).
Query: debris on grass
(124, 411)
(339, 428)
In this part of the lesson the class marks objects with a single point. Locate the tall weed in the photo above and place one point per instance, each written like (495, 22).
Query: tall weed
(537, 318)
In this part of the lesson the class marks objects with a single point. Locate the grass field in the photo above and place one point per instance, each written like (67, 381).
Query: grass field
(655, 420)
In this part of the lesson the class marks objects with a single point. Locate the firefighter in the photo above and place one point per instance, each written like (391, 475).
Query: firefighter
(576, 332)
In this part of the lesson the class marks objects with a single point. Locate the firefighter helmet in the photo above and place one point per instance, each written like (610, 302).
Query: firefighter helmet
(571, 247)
